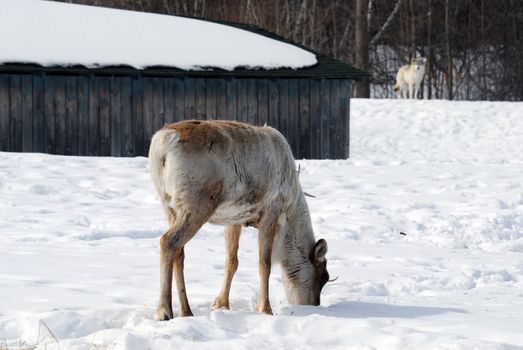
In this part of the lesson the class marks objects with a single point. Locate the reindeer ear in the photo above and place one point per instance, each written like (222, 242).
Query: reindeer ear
(319, 251)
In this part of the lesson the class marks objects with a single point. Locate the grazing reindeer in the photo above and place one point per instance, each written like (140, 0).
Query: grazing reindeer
(409, 77)
(234, 174)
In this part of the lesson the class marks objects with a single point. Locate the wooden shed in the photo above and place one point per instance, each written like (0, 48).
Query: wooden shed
(114, 111)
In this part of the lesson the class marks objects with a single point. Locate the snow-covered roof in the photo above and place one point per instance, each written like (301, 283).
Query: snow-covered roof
(57, 34)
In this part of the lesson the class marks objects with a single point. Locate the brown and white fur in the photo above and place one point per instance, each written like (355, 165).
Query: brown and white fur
(234, 174)
(409, 77)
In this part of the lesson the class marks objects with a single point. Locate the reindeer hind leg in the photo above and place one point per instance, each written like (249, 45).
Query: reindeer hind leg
(172, 255)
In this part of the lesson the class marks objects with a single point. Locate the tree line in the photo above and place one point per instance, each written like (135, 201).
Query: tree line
(474, 48)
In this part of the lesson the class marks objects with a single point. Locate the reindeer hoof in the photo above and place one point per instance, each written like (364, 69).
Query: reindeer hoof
(220, 304)
(186, 313)
(163, 314)
(264, 309)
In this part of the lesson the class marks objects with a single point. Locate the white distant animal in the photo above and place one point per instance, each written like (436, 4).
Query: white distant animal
(409, 77)
(234, 174)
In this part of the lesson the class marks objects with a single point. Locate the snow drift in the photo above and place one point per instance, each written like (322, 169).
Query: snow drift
(424, 225)
(57, 34)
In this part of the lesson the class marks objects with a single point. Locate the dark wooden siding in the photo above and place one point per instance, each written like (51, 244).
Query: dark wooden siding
(117, 115)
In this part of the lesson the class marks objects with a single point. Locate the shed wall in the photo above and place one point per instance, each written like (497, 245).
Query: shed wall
(117, 115)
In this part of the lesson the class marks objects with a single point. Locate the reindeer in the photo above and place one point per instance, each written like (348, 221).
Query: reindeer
(234, 174)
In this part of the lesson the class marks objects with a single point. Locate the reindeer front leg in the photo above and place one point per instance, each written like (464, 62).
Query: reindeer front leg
(267, 231)
(232, 239)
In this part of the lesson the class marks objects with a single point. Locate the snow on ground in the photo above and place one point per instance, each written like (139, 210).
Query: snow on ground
(57, 34)
(79, 245)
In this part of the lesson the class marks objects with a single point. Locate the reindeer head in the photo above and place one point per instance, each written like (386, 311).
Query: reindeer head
(303, 284)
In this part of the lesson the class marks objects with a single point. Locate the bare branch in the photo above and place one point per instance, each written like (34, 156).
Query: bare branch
(385, 25)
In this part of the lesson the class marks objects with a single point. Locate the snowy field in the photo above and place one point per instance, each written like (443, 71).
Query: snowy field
(424, 225)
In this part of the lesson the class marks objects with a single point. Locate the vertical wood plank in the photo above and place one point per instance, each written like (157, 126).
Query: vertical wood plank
(283, 108)
(148, 113)
(27, 112)
(179, 99)
(93, 124)
(127, 149)
(210, 100)
(294, 118)
(345, 115)
(105, 116)
(83, 115)
(325, 118)
(221, 98)
(243, 100)
(38, 114)
(60, 114)
(116, 117)
(169, 100)
(263, 102)
(304, 127)
(4, 112)
(15, 110)
(273, 103)
(190, 98)
(158, 105)
(201, 97)
(335, 127)
(315, 118)
(50, 83)
(232, 99)
(71, 116)
(252, 101)
(137, 116)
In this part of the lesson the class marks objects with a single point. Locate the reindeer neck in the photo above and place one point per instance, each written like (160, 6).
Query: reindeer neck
(298, 237)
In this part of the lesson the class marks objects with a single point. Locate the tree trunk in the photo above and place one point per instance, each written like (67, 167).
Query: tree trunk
(483, 53)
(362, 89)
(412, 30)
(448, 53)
(430, 53)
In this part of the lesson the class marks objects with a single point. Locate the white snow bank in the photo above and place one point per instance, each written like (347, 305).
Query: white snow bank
(79, 245)
(57, 34)
(436, 131)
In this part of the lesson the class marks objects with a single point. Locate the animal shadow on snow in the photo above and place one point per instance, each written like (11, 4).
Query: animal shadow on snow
(357, 309)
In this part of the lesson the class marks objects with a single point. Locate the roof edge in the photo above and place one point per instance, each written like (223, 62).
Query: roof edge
(161, 71)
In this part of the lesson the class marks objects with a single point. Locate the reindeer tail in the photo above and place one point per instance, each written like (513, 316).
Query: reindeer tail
(163, 142)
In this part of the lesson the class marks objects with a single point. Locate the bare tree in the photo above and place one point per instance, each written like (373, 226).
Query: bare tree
(430, 55)
(362, 47)
(386, 24)
(449, 75)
